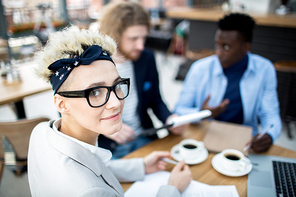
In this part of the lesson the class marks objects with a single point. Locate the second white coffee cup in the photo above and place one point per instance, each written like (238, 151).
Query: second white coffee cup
(233, 160)
(190, 148)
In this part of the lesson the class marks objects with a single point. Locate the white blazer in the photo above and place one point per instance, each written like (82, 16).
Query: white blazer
(58, 166)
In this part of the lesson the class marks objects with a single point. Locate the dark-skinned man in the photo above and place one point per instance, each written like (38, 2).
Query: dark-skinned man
(236, 85)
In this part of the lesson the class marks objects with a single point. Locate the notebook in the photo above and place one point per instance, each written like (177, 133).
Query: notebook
(272, 176)
(223, 135)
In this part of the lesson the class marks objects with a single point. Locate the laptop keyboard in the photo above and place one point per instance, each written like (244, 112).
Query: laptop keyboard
(285, 178)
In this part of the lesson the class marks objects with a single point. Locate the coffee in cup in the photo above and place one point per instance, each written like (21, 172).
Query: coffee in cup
(233, 157)
(190, 148)
(233, 160)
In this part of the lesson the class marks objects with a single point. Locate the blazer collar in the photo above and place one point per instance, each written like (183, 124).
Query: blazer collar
(83, 156)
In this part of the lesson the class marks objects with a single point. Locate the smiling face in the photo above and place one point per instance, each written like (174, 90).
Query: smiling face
(230, 47)
(81, 121)
(132, 42)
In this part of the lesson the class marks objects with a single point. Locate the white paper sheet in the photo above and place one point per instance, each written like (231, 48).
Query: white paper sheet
(150, 185)
(180, 120)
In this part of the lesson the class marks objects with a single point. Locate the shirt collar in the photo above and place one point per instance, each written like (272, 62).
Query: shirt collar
(218, 70)
(237, 67)
(127, 62)
(103, 154)
(251, 66)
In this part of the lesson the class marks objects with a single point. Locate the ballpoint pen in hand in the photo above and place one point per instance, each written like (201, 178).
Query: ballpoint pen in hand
(258, 137)
(169, 161)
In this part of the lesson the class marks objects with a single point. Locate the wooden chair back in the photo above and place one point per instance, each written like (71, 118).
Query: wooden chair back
(18, 133)
(286, 86)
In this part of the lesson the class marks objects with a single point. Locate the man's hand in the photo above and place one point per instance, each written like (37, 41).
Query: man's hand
(262, 144)
(180, 176)
(216, 111)
(126, 134)
(176, 130)
(153, 162)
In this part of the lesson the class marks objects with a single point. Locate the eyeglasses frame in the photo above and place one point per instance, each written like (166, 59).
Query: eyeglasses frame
(85, 93)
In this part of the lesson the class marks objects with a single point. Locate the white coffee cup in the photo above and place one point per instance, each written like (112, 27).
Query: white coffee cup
(233, 160)
(190, 148)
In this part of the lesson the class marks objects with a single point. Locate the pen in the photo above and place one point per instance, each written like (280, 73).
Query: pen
(258, 137)
(262, 133)
(169, 160)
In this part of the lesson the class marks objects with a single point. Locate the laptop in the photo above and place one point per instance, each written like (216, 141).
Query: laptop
(266, 178)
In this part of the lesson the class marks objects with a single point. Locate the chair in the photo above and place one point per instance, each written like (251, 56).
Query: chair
(286, 76)
(15, 138)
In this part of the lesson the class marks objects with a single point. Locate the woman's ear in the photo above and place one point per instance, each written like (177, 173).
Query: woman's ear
(60, 104)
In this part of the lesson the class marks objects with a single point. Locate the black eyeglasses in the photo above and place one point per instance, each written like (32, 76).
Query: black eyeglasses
(99, 96)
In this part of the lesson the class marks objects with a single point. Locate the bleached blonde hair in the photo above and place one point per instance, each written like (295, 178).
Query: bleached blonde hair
(67, 43)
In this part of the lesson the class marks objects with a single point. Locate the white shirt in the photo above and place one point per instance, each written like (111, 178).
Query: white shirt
(130, 115)
(257, 88)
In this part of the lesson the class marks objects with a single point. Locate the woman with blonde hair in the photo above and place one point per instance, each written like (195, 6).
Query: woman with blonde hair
(64, 158)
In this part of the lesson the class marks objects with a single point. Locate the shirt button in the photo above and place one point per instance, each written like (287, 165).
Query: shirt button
(224, 82)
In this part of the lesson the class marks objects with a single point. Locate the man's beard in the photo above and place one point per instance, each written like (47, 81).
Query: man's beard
(128, 55)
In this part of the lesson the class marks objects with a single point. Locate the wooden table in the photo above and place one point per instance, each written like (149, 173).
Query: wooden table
(215, 14)
(30, 85)
(203, 172)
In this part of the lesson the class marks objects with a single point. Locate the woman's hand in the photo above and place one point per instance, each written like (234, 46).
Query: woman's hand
(153, 162)
(180, 176)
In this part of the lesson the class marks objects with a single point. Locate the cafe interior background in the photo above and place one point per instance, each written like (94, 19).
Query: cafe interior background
(24, 26)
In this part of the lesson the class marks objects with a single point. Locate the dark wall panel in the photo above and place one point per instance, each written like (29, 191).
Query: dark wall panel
(201, 35)
(2, 22)
(274, 43)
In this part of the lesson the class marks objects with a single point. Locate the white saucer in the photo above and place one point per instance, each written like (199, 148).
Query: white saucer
(216, 163)
(175, 154)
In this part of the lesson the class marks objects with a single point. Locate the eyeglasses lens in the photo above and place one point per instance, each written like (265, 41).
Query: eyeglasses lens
(99, 96)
